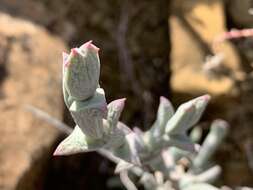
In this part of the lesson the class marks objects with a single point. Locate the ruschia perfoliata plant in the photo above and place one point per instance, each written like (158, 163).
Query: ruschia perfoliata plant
(164, 157)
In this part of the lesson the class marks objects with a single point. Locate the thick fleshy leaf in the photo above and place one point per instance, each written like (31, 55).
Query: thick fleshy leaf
(187, 115)
(181, 141)
(116, 136)
(136, 145)
(196, 134)
(128, 151)
(76, 142)
(89, 114)
(208, 176)
(97, 101)
(219, 130)
(164, 113)
(114, 111)
(124, 128)
(81, 72)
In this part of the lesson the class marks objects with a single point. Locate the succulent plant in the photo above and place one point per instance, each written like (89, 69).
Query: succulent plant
(162, 147)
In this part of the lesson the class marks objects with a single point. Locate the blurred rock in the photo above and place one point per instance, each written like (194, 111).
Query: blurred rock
(194, 29)
(37, 12)
(30, 67)
(192, 43)
(27, 9)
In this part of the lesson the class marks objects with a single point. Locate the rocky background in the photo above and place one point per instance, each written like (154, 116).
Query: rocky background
(148, 49)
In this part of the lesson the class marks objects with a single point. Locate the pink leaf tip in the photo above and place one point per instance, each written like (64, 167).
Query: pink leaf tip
(58, 151)
(164, 100)
(74, 52)
(89, 45)
(206, 97)
(119, 104)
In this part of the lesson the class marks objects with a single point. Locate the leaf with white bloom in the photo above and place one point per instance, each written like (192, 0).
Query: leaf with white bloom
(114, 111)
(218, 132)
(208, 176)
(97, 101)
(89, 114)
(129, 149)
(81, 70)
(181, 141)
(135, 145)
(187, 115)
(124, 128)
(116, 136)
(196, 134)
(164, 113)
(76, 142)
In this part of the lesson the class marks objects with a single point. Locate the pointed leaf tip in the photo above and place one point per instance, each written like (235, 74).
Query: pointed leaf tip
(120, 103)
(167, 105)
(74, 52)
(205, 97)
(89, 45)
(117, 105)
(163, 99)
(58, 151)
(115, 109)
(75, 143)
(187, 115)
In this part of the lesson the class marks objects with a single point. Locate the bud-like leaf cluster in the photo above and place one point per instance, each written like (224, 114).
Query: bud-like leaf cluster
(161, 147)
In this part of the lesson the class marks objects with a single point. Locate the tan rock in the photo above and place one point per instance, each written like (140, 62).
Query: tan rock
(187, 65)
(32, 69)
(206, 21)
